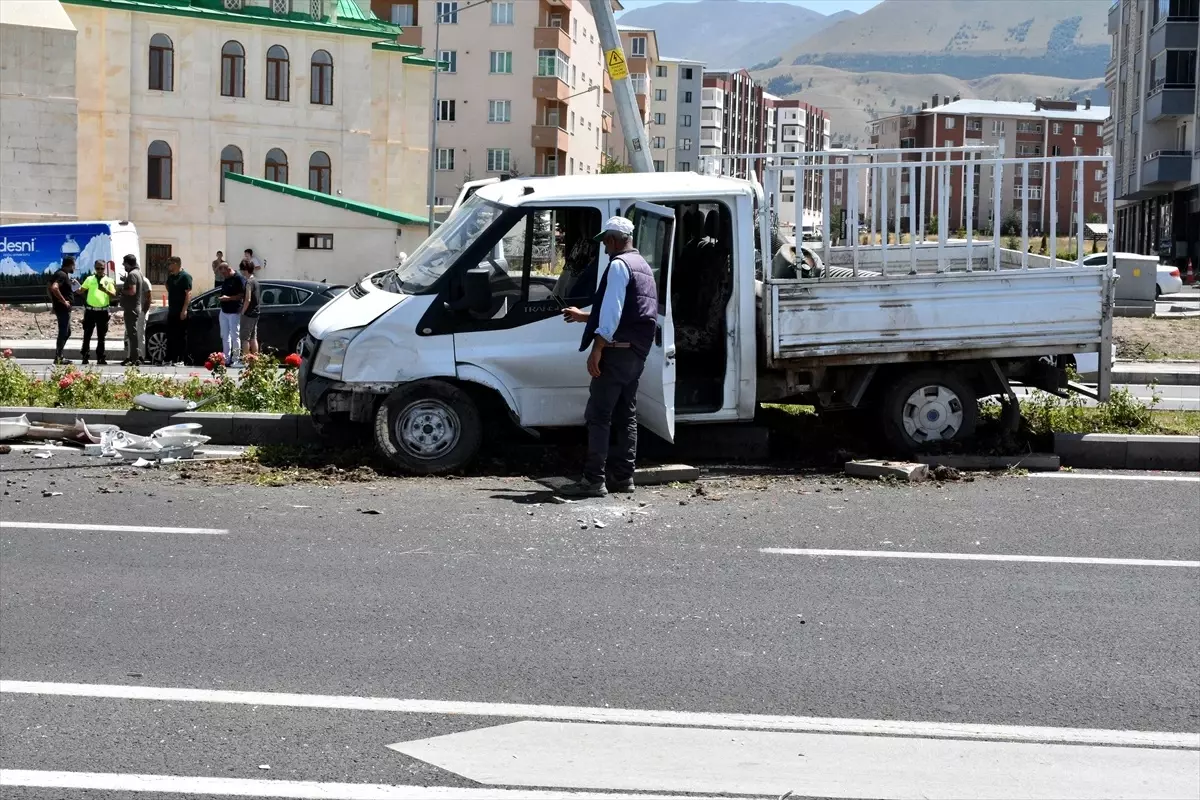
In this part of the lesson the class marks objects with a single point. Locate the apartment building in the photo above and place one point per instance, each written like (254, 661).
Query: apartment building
(167, 96)
(520, 86)
(800, 127)
(675, 114)
(641, 55)
(732, 118)
(1015, 129)
(1153, 77)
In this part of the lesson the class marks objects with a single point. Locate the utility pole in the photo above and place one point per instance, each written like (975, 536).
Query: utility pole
(618, 72)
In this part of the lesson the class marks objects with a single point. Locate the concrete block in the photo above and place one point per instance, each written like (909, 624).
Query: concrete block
(1163, 452)
(1034, 462)
(264, 428)
(665, 473)
(900, 470)
(1092, 450)
(217, 426)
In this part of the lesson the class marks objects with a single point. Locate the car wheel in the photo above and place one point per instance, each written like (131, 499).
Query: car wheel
(428, 428)
(929, 408)
(156, 345)
(294, 342)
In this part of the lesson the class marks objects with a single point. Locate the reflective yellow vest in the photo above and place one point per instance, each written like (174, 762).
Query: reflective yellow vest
(96, 296)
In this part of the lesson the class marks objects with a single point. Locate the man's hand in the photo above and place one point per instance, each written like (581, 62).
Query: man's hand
(594, 362)
(183, 313)
(573, 314)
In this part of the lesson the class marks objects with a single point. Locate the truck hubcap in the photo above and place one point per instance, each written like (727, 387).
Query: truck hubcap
(932, 414)
(427, 429)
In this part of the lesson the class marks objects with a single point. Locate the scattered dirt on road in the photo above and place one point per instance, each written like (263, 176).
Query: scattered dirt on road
(1152, 339)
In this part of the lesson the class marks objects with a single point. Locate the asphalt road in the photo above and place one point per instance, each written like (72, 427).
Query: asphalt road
(476, 593)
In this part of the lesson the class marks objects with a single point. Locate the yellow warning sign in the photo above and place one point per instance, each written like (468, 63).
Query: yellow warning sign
(617, 68)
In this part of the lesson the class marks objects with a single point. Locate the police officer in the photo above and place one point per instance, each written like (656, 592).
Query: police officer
(99, 290)
(620, 332)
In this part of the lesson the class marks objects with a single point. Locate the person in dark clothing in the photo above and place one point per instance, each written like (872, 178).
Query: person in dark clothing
(60, 297)
(179, 294)
(620, 331)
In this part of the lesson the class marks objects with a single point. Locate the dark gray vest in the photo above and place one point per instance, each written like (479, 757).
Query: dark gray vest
(639, 315)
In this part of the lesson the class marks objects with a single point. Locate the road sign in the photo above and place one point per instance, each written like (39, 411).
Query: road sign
(617, 68)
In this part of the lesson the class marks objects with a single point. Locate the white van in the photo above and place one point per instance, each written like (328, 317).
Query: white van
(30, 254)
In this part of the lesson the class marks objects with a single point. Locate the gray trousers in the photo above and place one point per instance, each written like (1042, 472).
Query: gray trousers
(135, 335)
(612, 417)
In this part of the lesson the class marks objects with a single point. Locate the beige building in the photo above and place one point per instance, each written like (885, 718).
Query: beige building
(520, 89)
(174, 93)
(675, 114)
(37, 112)
(641, 55)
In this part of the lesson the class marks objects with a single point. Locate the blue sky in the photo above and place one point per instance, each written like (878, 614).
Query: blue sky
(822, 6)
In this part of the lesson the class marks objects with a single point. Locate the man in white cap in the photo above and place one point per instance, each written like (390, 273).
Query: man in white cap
(620, 330)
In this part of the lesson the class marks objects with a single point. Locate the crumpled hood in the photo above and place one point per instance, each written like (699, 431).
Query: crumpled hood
(356, 307)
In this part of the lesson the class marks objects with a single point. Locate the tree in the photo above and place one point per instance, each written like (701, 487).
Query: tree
(468, 176)
(612, 166)
(514, 168)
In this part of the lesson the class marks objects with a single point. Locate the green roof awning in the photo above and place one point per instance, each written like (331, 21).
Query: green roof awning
(337, 202)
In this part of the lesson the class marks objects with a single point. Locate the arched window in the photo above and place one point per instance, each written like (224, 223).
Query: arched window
(162, 63)
(320, 173)
(277, 167)
(321, 92)
(158, 170)
(231, 161)
(233, 70)
(279, 74)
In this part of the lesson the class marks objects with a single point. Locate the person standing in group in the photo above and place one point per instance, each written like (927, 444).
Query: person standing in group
(232, 295)
(98, 292)
(134, 301)
(620, 332)
(61, 293)
(179, 295)
(248, 259)
(216, 266)
(250, 309)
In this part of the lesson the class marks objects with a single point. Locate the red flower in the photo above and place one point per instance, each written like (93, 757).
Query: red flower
(208, 365)
(66, 382)
(7, 353)
(292, 360)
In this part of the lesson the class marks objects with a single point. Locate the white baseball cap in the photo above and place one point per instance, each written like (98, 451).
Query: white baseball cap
(615, 225)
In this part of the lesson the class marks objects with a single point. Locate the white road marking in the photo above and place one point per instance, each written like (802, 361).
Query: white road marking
(693, 719)
(575, 755)
(1098, 476)
(1116, 562)
(304, 790)
(79, 526)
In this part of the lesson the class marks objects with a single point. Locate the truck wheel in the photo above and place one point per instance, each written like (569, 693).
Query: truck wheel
(428, 428)
(927, 408)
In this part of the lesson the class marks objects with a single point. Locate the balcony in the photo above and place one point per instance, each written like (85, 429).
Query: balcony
(1114, 18)
(1165, 167)
(550, 89)
(552, 38)
(1173, 33)
(1170, 100)
(549, 137)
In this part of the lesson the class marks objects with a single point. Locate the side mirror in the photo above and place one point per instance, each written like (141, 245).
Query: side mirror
(478, 290)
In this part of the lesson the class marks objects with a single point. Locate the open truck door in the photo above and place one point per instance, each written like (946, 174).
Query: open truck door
(654, 237)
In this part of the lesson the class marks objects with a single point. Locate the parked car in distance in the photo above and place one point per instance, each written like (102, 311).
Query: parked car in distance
(287, 306)
(1167, 279)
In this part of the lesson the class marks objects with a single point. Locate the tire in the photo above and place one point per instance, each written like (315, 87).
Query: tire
(929, 408)
(294, 342)
(428, 427)
(156, 345)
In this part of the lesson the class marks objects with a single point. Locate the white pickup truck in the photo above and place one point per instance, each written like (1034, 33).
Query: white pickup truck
(470, 325)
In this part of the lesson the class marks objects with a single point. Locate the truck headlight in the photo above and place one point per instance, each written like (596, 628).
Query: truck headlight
(331, 353)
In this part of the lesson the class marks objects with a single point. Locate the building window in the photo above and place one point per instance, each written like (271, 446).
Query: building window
(499, 159)
(499, 111)
(1095, 197)
(1099, 130)
(448, 61)
(278, 74)
(281, 7)
(1029, 127)
(314, 241)
(998, 126)
(574, 29)
(658, 142)
(445, 111)
(660, 166)
(1079, 130)
(685, 121)
(316, 9)
(553, 64)
(321, 91)
(445, 159)
(685, 145)
(660, 71)
(447, 12)
(684, 166)
(320, 173)
(1035, 172)
(500, 62)
(687, 97)
(637, 46)
(687, 73)
(947, 143)
(1029, 149)
(572, 128)
(950, 122)
(277, 166)
(233, 70)
(1099, 174)
(660, 94)
(660, 119)
(162, 63)
(231, 161)
(1057, 128)
(158, 171)
(502, 13)
(1078, 150)
(403, 14)
(233, 5)
(908, 142)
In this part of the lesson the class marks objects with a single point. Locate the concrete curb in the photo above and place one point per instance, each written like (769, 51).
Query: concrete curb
(225, 429)
(1181, 377)
(1034, 462)
(1120, 451)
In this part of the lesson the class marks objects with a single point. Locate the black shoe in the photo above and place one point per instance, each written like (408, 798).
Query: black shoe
(584, 488)
(84, 361)
(61, 360)
(621, 487)
(102, 362)
(129, 362)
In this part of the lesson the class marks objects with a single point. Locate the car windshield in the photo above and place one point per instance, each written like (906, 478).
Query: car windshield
(438, 253)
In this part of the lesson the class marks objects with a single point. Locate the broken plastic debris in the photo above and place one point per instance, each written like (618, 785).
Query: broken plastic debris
(141, 462)
(598, 523)
(264, 766)
(368, 511)
(51, 494)
(42, 454)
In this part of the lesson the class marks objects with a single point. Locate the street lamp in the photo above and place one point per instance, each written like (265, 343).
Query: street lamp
(437, 56)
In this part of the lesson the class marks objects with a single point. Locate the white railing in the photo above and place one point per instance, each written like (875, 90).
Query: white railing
(926, 193)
